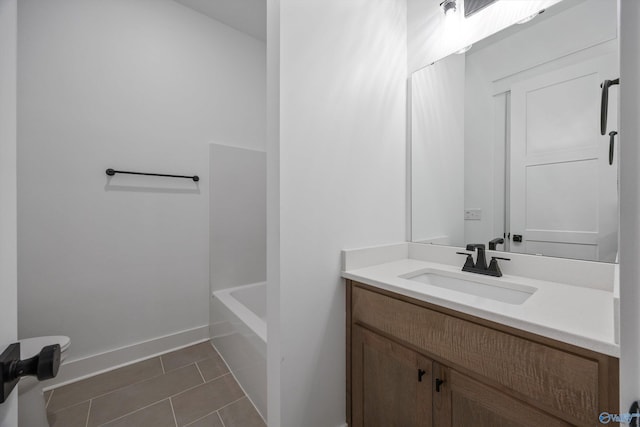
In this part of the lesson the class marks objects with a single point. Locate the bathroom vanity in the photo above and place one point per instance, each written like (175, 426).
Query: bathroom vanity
(512, 144)
(421, 354)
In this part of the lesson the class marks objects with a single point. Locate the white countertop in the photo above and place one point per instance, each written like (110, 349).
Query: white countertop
(576, 315)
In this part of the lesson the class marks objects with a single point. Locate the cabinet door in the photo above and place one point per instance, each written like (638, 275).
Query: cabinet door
(463, 401)
(391, 384)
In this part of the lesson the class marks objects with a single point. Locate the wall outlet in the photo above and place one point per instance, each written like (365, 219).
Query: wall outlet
(473, 214)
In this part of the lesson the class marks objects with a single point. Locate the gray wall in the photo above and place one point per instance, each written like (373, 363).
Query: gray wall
(8, 249)
(238, 217)
(142, 85)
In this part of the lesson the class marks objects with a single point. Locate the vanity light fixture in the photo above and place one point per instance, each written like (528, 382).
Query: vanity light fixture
(464, 50)
(448, 7)
(529, 18)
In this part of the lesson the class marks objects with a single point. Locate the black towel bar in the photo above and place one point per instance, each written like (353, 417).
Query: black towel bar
(112, 172)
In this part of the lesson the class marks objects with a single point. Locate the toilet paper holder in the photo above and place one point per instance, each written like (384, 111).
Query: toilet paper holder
(44, 366)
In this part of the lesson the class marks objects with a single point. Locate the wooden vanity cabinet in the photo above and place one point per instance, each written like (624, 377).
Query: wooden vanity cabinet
(411, 363)
(391, 383)
(468, 402)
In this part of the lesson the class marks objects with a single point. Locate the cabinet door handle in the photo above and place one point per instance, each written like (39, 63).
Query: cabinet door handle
(439, 383)
(421, 373)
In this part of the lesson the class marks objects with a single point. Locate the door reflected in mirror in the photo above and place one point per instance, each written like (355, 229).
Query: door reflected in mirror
(506, 140)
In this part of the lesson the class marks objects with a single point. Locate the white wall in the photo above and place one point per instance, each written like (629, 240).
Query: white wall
(8, 240)
(140, 85)
(438, 152)
(238, 222)
(342, 182)
(629, 203)
(432, 37)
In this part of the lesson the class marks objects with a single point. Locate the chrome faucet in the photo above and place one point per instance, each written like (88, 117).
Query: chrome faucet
(480, 265)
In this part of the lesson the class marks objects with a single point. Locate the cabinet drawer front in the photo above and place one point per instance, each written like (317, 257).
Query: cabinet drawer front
(560, 382)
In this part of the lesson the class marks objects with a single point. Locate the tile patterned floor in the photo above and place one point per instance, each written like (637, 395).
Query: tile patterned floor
(189, 387)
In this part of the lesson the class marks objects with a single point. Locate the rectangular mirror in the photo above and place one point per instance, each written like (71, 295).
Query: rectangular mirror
(506, 138)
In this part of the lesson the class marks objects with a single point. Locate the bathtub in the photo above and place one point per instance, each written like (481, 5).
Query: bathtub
(239, 333)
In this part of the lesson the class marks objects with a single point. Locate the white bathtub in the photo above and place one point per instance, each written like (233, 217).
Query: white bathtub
(239, 333)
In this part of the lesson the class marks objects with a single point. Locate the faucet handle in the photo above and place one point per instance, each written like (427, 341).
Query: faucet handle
(494, 268)
(468, 262)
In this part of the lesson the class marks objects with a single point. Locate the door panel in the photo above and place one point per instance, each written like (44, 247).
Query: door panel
(563, 192)
(560, 110)
(442, 397)
(475, 404)
(557, 204)
(387, 390)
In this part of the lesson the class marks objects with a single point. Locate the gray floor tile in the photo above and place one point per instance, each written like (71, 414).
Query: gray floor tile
(241, 414)
(212, 368)
(138, 395)
(187, 356)
(47, 396)
(211, 420)
(74, 416)
(84, 390)
(157, 415)
(204, 399)
(123, 401)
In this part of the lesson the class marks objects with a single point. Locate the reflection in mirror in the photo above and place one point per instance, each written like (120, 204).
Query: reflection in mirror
(506, 141)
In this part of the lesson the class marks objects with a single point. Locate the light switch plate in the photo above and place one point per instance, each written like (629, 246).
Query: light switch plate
(473, 214)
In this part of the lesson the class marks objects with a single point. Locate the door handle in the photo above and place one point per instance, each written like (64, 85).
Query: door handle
(44, 366)
(612, 137)
(604, 106)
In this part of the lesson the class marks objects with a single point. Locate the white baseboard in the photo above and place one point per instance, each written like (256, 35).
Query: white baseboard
(76, 370)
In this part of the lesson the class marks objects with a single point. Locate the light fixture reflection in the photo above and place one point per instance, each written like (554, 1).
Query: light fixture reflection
(448, 7)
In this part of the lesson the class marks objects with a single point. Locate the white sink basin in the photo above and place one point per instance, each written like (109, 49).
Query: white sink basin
(485, 287)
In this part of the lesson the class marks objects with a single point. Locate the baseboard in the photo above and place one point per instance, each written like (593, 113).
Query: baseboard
(76, 370)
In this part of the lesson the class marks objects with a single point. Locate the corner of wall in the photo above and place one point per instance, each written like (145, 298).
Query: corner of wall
(273, 213)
